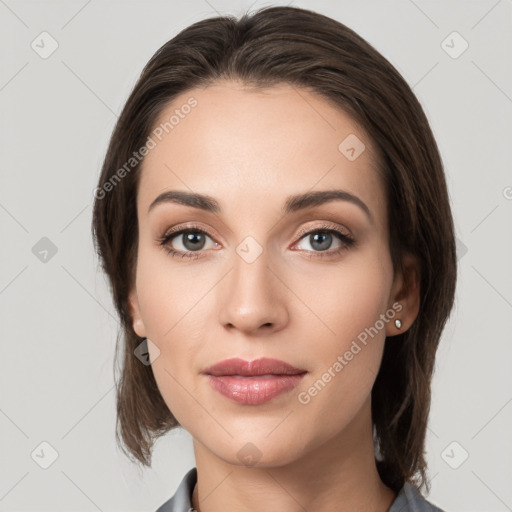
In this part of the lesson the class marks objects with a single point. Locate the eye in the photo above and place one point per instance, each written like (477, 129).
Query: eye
(183, 243)
(321, 240)
(190, 241)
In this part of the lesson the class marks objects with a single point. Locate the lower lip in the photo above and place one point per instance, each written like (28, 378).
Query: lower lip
(253, 390)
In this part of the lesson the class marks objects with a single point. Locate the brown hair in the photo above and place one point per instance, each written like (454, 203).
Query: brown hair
(308, 50)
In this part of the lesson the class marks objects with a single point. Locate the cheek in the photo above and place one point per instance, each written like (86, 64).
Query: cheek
(176, 370)
(177, 312)
(348, 342)
(170, 295)
(342, 301)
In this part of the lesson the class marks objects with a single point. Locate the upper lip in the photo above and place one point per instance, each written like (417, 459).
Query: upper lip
(262, 366)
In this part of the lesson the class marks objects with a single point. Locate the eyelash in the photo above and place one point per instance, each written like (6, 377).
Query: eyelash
(345, 239)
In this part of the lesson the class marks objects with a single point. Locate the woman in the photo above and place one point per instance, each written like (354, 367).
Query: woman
(273, 217)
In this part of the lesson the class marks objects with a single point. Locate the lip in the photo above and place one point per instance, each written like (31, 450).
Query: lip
(261, 366)
(253, 382)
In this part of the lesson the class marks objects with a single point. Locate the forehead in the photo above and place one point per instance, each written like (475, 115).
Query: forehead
(246, 147)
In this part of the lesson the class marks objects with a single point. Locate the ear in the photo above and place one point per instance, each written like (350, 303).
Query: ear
(405, 293)
(135, 314)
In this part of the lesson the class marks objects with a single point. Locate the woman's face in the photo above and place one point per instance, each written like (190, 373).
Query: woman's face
(262, 275)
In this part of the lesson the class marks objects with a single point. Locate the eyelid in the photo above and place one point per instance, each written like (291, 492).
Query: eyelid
(325, 225)
(188, 227)
(179, 230)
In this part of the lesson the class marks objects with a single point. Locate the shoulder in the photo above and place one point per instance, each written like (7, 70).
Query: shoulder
(410, 500)
(181, 501)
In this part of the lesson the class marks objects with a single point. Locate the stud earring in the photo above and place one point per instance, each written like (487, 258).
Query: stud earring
(398, 323)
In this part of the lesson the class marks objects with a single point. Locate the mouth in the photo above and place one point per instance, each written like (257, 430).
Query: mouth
(253, 382)
(259, 367)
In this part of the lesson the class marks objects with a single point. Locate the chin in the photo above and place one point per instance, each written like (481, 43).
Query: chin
(258, 451)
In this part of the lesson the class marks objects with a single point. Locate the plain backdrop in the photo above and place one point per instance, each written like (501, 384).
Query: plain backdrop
(58, 326)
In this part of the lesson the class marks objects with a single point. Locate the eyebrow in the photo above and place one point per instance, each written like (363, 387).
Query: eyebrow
(292, 203)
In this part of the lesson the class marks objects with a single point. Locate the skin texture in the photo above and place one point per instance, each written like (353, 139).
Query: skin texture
(250, 151)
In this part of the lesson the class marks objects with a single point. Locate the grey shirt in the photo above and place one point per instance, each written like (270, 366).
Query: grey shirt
(407, 500)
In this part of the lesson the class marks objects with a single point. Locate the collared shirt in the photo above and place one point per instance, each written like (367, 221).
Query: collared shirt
(407, 500)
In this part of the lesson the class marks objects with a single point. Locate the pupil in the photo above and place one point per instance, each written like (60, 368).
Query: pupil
(193, 241)
(322, 245)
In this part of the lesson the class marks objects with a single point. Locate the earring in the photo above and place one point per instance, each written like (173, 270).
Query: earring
(398, 323)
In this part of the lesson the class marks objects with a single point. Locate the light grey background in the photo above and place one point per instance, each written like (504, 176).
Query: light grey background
(58, 323)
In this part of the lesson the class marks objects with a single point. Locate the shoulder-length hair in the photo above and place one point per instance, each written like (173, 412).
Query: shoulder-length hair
(294, 46)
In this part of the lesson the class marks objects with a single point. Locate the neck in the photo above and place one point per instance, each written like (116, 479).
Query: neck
(340, 474)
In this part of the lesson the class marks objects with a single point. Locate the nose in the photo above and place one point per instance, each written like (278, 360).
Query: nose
(253, 298)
